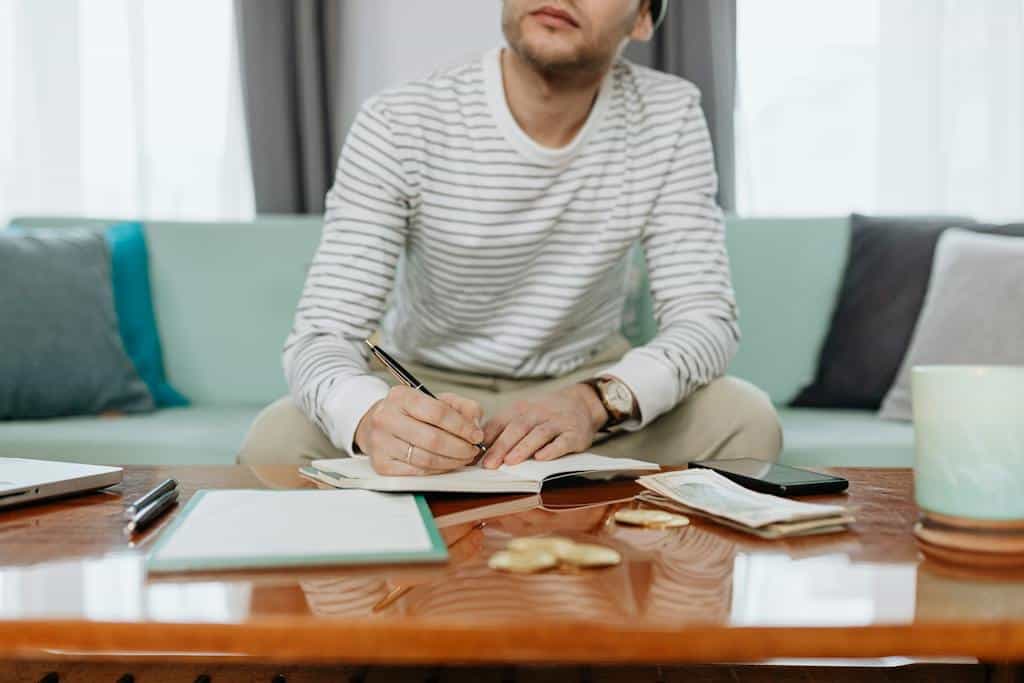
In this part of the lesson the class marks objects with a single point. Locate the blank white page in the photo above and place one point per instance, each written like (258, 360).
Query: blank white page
(538, 470)
(359, 467)
(523, 478)
(278, 525)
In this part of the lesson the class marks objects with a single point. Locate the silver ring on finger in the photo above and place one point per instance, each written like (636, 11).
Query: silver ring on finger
(408, 454)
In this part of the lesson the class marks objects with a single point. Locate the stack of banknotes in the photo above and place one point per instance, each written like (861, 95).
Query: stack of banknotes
(708, 494)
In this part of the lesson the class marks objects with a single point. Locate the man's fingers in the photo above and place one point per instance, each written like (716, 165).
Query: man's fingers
(389, 460)
(495, 426)
(396, 468)
(431, 439)
(469, 408)
(421, 462)
(537, 438)
(562, 445)
(508, 438)
(434, 463)
(440, 414)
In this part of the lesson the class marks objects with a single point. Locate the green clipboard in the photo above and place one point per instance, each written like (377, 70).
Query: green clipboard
(437, 552)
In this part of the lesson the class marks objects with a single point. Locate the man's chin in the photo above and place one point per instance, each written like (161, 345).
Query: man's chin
(551, 55)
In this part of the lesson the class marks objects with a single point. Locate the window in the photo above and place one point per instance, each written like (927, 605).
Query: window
(121, 108)
(901, 106)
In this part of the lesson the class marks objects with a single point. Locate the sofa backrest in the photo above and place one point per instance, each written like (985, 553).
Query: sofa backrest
(225, 295)
(786, 273)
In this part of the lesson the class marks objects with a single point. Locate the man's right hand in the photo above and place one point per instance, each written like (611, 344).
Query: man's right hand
(441, 431)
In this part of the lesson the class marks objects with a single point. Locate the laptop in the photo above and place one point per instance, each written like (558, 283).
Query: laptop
(25, 481)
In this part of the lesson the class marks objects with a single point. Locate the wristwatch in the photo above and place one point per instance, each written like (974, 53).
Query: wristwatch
(616, 398)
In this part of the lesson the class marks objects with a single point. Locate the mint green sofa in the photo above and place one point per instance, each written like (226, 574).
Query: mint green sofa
(225, 294)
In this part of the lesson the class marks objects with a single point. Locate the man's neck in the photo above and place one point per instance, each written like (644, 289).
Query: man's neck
(550, 108)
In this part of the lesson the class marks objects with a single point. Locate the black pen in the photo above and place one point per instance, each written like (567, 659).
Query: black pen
(149, 497)
(405, 377)
(151, 512)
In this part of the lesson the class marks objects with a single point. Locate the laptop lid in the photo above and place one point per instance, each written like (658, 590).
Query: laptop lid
(22, 479)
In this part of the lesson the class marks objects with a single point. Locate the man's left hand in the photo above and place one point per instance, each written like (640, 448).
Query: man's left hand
(560, 423)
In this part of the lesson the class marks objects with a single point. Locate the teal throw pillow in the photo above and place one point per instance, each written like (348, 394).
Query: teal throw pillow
(129, 259)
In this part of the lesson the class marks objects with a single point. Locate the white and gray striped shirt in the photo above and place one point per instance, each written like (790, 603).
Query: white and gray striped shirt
(514, 253)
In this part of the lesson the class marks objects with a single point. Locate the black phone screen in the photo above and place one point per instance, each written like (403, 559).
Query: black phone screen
(775, 478)
(766, 471)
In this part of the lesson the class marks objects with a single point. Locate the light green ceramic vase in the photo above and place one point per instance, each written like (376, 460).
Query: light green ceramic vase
(969, 434)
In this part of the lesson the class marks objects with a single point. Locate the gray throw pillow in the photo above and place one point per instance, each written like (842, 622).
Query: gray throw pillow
(973, 312)
(61, 353)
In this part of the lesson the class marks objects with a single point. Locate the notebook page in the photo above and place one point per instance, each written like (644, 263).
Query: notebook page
(539, 470)
(359, 467)
(238, 524)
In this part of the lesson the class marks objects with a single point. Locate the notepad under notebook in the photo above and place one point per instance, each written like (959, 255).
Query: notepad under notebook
(527, 477)
(243, 529)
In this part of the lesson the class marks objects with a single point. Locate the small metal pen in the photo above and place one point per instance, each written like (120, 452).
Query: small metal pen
(149, 497)
(151, 512)
(406, 377)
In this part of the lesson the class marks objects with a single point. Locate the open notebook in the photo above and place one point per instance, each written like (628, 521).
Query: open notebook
(528, 477)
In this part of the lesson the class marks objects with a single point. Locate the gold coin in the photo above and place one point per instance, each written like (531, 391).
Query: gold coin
(523, 561)
(638, 517)
(556, 545)
(587, 555)
(675, 522)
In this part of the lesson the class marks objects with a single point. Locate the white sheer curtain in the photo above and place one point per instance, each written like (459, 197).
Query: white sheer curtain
(121, 108)
(881, 106)
(951, 96)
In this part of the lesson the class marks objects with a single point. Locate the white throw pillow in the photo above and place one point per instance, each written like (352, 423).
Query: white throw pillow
(973, 313)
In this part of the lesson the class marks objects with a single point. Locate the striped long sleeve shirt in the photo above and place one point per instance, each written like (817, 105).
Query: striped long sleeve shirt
(473, 248)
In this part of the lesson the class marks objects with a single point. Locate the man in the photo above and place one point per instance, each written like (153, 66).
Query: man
(514, 186)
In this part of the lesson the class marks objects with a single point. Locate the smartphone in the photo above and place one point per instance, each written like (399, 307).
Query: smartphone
(780, 480)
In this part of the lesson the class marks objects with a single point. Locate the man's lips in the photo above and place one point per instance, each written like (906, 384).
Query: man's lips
(552, 16)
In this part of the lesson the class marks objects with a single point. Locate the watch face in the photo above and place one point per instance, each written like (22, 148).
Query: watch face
(619, 396)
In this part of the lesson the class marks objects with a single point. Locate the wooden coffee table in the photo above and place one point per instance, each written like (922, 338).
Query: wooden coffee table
(73, 592)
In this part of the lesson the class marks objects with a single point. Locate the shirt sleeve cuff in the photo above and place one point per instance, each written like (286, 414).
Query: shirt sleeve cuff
(650, 383)
(346, 404)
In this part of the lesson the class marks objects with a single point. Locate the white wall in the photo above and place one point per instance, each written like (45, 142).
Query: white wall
(389, 42)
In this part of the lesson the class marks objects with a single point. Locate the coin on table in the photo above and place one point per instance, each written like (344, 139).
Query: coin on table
(638, 517)
(522, 561)
(650, 518)
(675, 522)
(588, 555)
(556, 545)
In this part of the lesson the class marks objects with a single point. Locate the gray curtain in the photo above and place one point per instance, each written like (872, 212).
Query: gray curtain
(288, 50)
(698, 42)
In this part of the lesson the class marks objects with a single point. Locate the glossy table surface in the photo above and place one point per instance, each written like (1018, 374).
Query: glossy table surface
(70, 583)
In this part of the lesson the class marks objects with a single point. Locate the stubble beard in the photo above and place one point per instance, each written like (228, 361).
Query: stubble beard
(581, 65)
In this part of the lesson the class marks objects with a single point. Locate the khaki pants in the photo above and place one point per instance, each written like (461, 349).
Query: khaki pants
(728, 418)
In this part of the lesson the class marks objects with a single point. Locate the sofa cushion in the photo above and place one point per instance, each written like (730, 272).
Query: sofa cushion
(972, 314)
(884, 284)
(196, 435)
(60, 349)
(844, 438)
(884, 287)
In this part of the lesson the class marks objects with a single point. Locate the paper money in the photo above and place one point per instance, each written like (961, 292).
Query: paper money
(712, 494)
